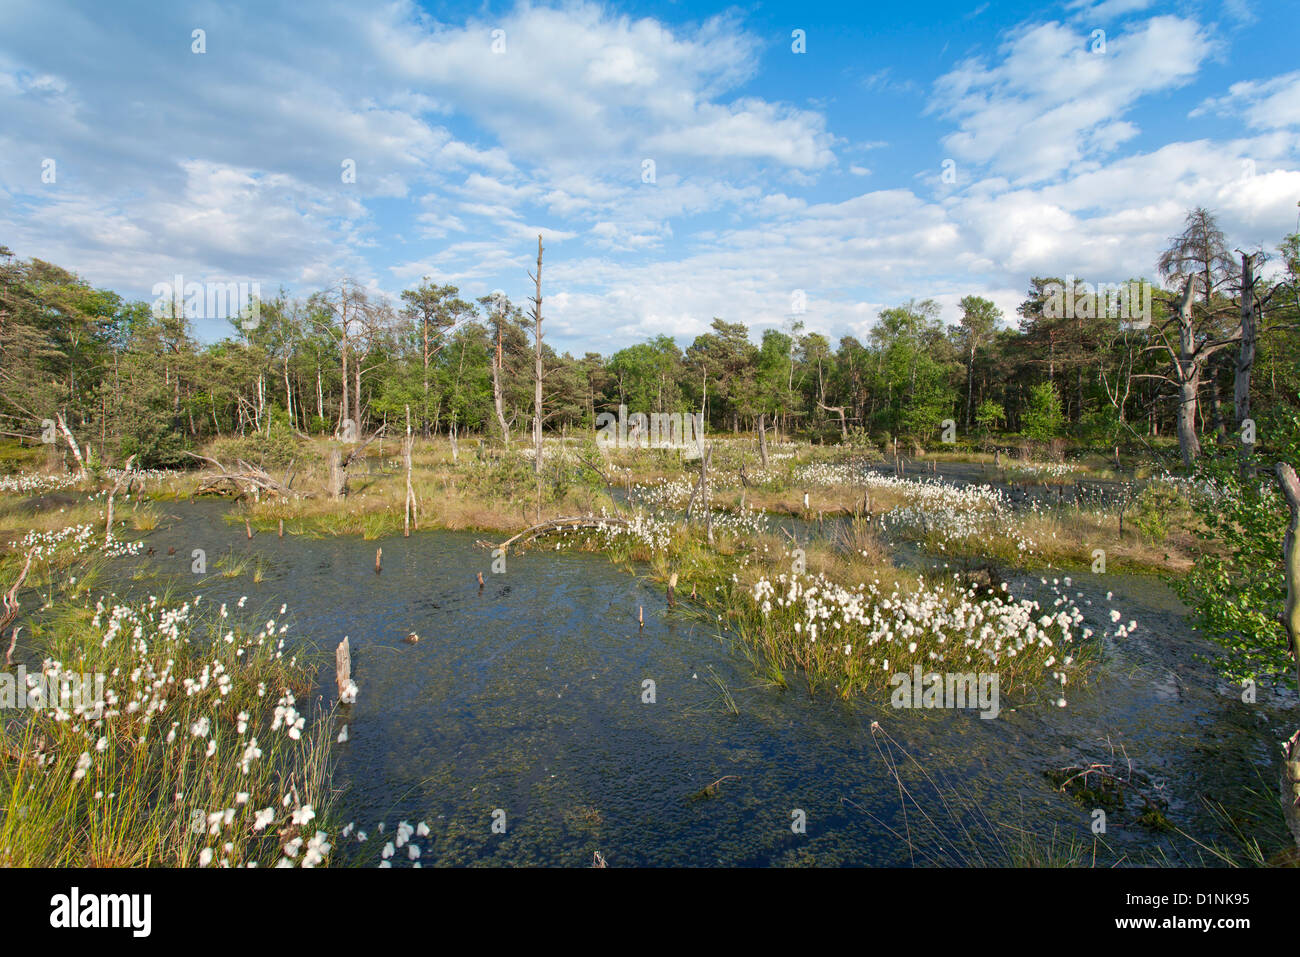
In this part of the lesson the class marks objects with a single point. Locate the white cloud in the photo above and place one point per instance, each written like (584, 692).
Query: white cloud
(1264, 104)
(1050, 103)
(584, 88)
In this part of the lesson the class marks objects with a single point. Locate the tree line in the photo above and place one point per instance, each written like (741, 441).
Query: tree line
(129, 378)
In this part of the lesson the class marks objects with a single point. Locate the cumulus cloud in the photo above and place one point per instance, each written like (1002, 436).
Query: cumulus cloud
(1051, 102)
(1271, 104)
(229, 163)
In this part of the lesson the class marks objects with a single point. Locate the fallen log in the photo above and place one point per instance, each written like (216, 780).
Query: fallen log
(251, 481)
(554, 525)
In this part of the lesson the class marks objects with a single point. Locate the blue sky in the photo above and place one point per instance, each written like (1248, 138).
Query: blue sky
(775, 172)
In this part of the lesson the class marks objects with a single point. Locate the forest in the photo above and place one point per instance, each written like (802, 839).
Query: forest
(130, 378)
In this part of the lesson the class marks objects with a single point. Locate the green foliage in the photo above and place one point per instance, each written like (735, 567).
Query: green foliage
(272, 451)
(1157, 509)
(153, 440)
(1236, 589)
(1044, 418)
(989, 415)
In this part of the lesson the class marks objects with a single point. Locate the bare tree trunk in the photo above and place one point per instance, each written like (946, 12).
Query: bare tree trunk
(410, 492)
(288, 394)
(497, 369)
(1189, 378)
(344, 416)
(424, 409)
(1188, 442)
(1245, 360)
(537, 363)
(704, 480)
(970, 377)
(1291, 620)
(338, 476)
(356, 379)
(838, 410)
(72, 443)
(762, 438)
(124, 477)
(11, 607)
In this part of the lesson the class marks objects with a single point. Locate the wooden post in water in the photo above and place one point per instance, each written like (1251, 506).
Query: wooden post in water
(282, 528)
(379, 560)
(343, 665)
(410, 492)
(672, 584)
(248, 528)
(640, 617)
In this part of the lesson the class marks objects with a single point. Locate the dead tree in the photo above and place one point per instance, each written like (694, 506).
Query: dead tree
(11, 607)
(117, 486)
(537, 361)
(1291, 620)
(72, 444)
(1188, 362)
(838, 410)
(1245, 362)
(572, 522)
(762, 438)
(701, 490)
(248, 481)
(339, 465)
(498, 369)
(410, 492)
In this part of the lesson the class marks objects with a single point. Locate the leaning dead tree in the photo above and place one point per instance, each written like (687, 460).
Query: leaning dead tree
(72, 443)
(840, 411)
(1291, 621)
(537, 361)
(339, 465)
(248, 480)
(123, 479)
(11, 608)
(572, 523)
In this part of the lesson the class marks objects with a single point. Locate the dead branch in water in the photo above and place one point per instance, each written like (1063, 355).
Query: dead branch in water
(251, 481)
(554, 525)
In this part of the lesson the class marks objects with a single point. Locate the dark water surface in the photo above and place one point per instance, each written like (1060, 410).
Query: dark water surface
(526, 696)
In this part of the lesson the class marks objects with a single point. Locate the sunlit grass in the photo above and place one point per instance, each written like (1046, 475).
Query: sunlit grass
(196, 755)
